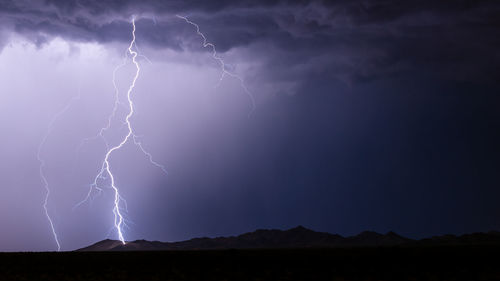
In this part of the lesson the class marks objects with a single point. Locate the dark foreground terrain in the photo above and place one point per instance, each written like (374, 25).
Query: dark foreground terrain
(362, 263)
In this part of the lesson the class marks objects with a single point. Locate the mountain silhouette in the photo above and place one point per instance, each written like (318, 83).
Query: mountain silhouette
(298, 237)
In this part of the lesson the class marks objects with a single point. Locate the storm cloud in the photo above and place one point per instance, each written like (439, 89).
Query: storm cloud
(350, 40)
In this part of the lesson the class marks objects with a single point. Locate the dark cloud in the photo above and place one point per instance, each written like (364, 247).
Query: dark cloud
(370, 38)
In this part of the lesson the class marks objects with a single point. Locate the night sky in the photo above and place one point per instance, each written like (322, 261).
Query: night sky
(369, 115)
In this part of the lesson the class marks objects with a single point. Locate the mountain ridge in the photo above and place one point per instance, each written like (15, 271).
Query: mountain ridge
(297, 237)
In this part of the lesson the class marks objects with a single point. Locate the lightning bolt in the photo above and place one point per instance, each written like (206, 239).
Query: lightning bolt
(118, 220)
(222, 64)
(105, 171)
(41, 161)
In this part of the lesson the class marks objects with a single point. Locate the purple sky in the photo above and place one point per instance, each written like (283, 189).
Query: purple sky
(369, 115)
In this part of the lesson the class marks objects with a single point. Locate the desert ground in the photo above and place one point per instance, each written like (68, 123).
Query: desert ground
(360, 263)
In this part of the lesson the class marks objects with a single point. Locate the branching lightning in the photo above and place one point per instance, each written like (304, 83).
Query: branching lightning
(100, 135)
(220, 60)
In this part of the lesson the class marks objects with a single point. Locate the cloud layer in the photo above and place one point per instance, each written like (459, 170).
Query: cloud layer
(352, 40)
